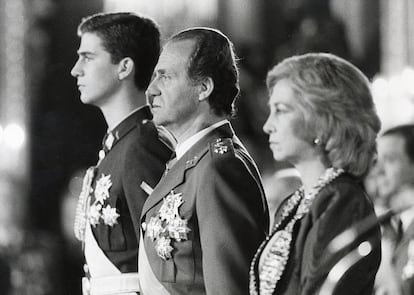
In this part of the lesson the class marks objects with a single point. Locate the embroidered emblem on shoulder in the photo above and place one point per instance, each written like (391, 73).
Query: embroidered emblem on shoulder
(221, 146)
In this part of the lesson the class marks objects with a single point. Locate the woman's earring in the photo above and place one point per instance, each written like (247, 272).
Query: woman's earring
(317, 141)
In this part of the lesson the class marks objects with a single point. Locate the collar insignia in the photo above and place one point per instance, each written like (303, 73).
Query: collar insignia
(191, 161)
(109, 141)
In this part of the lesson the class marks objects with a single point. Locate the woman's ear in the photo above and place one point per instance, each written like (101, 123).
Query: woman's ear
(126, 67)
(206, 88)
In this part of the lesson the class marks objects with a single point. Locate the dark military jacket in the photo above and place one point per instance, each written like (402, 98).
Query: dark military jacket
(222, 217)
(135, 155)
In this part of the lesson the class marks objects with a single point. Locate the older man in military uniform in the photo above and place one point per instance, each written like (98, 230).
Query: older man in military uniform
(205, 219)
(117, 54)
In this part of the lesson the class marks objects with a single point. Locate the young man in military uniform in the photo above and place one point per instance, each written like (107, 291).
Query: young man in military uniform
(205, 219)
(117, 54)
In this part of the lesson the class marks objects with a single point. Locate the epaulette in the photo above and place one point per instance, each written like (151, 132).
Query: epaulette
(221, 146)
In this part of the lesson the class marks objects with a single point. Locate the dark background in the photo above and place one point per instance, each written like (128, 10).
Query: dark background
(66, 135)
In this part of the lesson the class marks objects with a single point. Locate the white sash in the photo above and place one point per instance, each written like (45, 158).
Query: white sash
(99, 265)
(125, 284)
(148, 281)
(106, 278)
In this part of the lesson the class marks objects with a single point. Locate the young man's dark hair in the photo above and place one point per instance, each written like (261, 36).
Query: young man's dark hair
(127, 35)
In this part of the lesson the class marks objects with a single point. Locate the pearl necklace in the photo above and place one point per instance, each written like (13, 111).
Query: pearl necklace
(274, 262)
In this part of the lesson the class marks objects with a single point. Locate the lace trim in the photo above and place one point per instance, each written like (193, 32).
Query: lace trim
(275, 261)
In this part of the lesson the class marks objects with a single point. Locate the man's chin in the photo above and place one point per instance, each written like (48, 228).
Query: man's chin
(158, 121)
(86, 100)
(156, 118)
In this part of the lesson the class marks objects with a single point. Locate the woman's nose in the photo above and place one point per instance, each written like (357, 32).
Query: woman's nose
(267, 127)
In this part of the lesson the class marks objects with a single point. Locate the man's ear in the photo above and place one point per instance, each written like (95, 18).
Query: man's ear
(206, 88)
(126, 67)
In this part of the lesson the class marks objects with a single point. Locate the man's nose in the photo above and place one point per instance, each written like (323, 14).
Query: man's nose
(76, 71)
(151, 92)
(149, 98)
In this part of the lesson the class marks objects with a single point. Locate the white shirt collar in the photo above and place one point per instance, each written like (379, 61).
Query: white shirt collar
(183, 147)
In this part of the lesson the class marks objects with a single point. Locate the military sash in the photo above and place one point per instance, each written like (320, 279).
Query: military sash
(148, 281)
(106, 279)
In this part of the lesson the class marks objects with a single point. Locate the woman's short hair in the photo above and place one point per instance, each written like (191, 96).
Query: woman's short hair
(335, 99)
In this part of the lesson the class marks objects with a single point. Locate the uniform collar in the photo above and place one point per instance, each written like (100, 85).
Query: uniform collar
(183, 147)
(190, 159)
(126, 125)
(199, 148)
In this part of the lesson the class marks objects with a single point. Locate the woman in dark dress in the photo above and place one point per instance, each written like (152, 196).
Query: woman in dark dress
(323, 121)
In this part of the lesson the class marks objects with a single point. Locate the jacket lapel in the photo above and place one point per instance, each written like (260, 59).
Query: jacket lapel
(167, 183)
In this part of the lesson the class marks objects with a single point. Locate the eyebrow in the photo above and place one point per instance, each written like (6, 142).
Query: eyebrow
(277, 103)
(85, 53)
